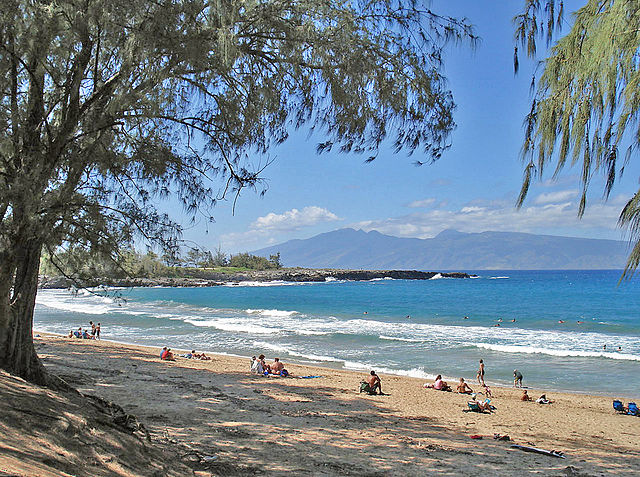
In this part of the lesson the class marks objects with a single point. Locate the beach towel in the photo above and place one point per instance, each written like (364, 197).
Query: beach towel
(364, 387)
(308, 377)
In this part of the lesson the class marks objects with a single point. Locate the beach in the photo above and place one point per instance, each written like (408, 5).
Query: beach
(235, 423)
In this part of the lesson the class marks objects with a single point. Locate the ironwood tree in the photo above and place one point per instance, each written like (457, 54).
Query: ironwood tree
(585, 111)
(107, 106)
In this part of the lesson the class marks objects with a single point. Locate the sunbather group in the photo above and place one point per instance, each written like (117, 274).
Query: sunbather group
(167, 355)
(541, 400)
(259, 366)
(440, 385)
(86, 334)
(194, 355)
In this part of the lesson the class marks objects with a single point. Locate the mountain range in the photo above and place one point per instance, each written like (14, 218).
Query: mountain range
(450, 250)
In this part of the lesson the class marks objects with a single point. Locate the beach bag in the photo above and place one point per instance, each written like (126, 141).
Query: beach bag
(284, 373)
(364, 387)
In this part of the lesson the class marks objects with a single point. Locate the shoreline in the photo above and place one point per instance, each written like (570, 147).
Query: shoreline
(319, 366)
(323, 427)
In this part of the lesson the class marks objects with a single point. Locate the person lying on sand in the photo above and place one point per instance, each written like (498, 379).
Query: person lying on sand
(463, 387)
(525, 396)
(203, 357)
(543, 400)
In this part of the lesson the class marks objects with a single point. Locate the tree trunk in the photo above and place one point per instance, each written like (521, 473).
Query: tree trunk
(17, 352)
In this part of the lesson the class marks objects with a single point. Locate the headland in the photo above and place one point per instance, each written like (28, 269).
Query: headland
(206, 278)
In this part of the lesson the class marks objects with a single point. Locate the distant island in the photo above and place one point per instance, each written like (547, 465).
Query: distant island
(206, 278)
(450, 250)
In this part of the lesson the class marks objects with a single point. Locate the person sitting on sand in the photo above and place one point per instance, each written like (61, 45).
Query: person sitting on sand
(375, 383)
(517, 379)
(463, 387)
(483, 405)
(259, 366)
(265, 367)
(86, 335)
(543, 400)
(78, 333)
(525, 396)
(256, 366)
(70, 334)
(439, 384)
(166, 354)
(277, 366)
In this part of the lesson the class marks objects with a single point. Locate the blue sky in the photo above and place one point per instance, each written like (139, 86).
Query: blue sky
(473, 188)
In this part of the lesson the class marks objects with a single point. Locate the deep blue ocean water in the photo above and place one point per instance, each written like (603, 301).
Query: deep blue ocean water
(563, 319)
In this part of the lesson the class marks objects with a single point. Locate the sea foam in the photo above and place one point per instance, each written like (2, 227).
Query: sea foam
(557, 352)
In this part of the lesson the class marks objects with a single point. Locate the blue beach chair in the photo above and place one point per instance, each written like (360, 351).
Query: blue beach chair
(633, 409)
(617, 405)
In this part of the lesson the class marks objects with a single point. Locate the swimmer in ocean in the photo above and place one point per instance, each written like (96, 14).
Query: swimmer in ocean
(513, 321)
(560, 321)
(466, 318)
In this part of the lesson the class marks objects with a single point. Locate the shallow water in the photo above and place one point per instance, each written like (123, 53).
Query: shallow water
(406, 327)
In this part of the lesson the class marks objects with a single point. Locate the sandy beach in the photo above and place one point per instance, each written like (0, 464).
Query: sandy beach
(214, 418)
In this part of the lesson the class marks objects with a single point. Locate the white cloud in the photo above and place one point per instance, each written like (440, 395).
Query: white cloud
(265, 230)
(561, 219)
(294, 219)
(554, 197)
(422, 203)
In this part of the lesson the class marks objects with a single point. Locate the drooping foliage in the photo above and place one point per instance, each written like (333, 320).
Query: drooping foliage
(586, 107)
(108, 105)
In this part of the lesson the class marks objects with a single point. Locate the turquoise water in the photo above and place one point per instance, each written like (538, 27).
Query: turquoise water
(406, 327)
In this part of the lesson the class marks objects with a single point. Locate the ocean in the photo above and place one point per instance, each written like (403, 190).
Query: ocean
(554, 325)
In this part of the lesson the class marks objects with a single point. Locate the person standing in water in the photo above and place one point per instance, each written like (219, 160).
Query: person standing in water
(480, 375)
(517, 379)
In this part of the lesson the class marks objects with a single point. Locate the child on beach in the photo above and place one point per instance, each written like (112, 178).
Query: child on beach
(525, 396)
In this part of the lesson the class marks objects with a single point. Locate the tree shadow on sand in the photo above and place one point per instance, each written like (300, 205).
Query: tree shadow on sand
(240, 424)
